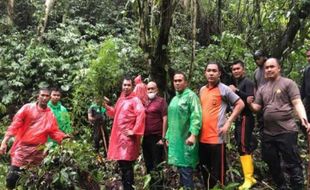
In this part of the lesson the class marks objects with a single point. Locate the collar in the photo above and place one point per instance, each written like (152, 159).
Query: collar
(216, 85)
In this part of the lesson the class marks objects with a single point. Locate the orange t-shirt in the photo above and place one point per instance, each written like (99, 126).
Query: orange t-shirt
(214, 103)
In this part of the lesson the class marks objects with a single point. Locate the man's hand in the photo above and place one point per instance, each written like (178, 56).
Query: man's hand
(105, 101)
(233, 88)
(250, 99)
(191, 140)
(128, 132)
(306, 124)
(3, 148)
(160, 142)
(223, 130)
(67, 136)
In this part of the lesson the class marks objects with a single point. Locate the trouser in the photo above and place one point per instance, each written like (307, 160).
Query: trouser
(212, 163)
(246, 142)
(98, 127)
(260, 121)
(127, 173)
(186, 177)
(306, 103)
(283, 146)
(152, 152)
(13, 176)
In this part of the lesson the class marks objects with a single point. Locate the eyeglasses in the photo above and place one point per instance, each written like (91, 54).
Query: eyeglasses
(151, 88)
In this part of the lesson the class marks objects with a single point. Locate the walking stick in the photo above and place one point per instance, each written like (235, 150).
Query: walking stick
(105, 146)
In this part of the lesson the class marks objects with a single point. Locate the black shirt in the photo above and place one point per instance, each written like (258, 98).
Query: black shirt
(305, 85)
(245, 88)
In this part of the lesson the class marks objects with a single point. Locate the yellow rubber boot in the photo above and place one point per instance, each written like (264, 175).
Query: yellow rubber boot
(248, 170)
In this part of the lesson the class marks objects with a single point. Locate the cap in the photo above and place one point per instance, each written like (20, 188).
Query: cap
(259, 53)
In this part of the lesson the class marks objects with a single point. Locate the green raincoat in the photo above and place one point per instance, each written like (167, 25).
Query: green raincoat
(184, 119)
(62, 116)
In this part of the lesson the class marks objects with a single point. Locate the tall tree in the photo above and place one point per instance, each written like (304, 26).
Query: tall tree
(298, 15)
(156, 52)
(10, 10)
(48, 7)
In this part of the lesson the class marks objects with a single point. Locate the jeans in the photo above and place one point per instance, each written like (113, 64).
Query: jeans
(186, 177)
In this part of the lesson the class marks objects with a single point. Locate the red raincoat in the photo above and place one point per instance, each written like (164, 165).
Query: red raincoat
(128, 114)
(31, 127)
(140, 89)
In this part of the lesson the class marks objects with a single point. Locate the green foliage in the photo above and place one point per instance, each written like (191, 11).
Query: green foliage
(72, 56)
(104, 72)
(64, 168)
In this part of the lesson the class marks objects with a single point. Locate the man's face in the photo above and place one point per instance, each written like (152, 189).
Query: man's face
(152, 87)
(43, 98)
(308, 56)
(212, 73)
(259, 61)
(237, 71)
(127, 87)
(179, 82)
(272, 69)
(55, 96)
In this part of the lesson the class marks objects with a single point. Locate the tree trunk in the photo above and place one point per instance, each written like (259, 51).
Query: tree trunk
(10, 10)
(219, 16)
(194, 31)
(48, 7)
(161, 60)
(144, 10)
(292, 28)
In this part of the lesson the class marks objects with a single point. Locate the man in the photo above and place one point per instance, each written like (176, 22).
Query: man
(184, 123)
(244, 124)
(155, 128)
(31, 127)
(259, 74)
(215, 97)
(305, 85)
(96, 117)
(279, 98)
(128, 127)
(60, 112)
(259, 80)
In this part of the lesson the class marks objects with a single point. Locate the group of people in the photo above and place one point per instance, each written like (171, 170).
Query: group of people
(193, 127)
(32, 126)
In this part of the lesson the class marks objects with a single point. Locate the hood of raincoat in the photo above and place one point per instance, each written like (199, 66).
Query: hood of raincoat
(140, 90)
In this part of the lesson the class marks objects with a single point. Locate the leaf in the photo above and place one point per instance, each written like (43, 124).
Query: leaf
(43, 84)
(147, 181)
(65, 87)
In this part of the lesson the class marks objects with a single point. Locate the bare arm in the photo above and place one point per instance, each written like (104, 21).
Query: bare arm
(3, 147)
(90, 117)
(238, 107)
(164, 129)
(301, 112)
(253, 106)
(164, 126)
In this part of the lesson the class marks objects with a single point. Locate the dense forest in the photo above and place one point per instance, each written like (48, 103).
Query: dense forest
(86, 46)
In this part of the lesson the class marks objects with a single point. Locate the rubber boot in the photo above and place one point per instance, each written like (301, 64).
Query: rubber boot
(248, 170)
